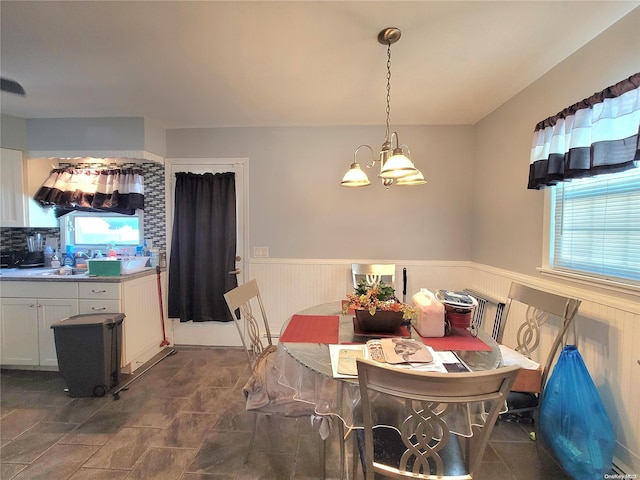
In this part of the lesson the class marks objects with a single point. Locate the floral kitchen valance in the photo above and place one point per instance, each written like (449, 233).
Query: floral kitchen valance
(119, 190)
(598, 135)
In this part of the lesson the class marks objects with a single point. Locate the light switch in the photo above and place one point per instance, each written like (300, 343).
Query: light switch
(261, 252)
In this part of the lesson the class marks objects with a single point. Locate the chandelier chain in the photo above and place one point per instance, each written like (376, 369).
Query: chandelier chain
(388, 86)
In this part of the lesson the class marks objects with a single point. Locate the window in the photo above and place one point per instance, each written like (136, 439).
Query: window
(99, 230)
(595, 227)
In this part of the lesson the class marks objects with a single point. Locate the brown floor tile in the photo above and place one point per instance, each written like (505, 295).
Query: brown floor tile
(59, 462)
(185, 418)
(162, 464)
(28, 447)
(98, 474)
(186, 431)
(221, 453)
(157, 412)
(123, 450)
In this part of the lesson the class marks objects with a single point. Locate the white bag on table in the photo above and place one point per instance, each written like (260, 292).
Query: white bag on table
(430, 322)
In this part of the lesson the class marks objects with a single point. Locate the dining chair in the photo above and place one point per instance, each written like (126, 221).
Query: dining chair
(540, 307)
(373, 273)
(264, 394)
(411, 419)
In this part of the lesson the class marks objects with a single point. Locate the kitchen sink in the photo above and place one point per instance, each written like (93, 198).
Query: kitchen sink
(56, 272)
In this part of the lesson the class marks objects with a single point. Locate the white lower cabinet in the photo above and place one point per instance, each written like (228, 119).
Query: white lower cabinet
(49, 312)
(19, 332)
(26, 336)
(27, 310)
(99, 297)
(142, 333)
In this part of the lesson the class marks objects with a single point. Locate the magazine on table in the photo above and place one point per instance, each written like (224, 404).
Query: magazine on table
(398, 352)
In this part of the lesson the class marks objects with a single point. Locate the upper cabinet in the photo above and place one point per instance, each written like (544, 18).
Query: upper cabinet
(38, 170)
(12, 211)
(20, 181)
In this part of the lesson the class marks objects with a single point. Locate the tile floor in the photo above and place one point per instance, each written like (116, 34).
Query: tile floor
(185, 419)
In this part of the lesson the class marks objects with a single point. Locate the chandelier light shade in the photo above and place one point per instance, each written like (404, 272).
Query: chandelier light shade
(396, 167)
(356, 177)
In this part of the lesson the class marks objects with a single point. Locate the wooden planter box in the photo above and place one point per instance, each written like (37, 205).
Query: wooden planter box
(381, 322)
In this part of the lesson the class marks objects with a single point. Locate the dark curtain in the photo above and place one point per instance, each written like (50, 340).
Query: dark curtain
(203, 247)
(600, 134)
(119, 190)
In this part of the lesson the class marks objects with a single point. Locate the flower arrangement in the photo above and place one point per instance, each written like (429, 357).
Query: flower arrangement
(378, 297)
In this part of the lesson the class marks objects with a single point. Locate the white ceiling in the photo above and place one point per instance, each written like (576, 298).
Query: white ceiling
(274, 63)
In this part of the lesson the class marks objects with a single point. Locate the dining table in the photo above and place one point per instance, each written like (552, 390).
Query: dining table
(305, 365)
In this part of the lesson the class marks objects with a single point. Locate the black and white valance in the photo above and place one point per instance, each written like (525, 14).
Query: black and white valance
(119, 190)
(598, 135)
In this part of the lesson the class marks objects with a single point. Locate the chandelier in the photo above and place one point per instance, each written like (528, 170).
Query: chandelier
(396, 167)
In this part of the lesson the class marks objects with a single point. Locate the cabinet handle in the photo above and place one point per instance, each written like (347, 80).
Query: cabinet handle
(98, 308)
(31, 305)
(98, 291)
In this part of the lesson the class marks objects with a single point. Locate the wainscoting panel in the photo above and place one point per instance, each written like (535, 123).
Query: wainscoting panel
(608, 326)
(291, 285)
(608, 338)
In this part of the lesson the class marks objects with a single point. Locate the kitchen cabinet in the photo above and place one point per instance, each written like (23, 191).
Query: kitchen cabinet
(21, 179)
(142, 326)
(138, 300)
(27, 311)
(99, 297)
(28, 308)
(12, 213)
(38, 170)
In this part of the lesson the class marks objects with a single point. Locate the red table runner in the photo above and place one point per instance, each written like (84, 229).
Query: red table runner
(312, 329)
(462, 340)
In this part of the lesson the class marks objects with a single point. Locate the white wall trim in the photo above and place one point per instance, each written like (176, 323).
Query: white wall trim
(627, 302)
(71, 154)
(343, 261)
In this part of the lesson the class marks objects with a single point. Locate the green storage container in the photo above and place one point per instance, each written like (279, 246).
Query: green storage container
(104, 267)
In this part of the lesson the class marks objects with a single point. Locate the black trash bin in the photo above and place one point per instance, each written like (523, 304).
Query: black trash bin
(88, 348)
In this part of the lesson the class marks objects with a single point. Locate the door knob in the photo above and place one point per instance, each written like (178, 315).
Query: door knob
(234, 272)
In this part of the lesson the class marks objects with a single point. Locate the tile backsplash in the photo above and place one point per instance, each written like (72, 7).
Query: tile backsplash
(16, 238)
(12, 238)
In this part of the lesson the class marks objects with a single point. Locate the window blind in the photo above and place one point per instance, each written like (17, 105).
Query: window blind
(597, 226)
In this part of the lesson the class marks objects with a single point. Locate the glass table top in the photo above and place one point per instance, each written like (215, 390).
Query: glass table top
(316, 357)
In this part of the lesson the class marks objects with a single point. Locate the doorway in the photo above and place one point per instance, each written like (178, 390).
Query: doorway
(209, 333)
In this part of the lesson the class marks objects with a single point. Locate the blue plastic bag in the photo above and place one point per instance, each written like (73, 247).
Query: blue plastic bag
(573, 421)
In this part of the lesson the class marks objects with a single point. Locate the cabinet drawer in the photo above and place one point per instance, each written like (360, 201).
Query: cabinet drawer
(98, 306)
(91, 290)
(39, 289)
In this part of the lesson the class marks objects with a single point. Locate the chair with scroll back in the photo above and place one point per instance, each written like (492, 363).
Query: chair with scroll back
(263, 393)
(412, 435)
(373, 273)
(540, 306)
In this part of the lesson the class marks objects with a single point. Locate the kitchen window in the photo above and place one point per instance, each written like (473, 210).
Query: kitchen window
(90, 230)
(595, 228)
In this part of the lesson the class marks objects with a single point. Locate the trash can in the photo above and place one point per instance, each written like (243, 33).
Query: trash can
(88, 348)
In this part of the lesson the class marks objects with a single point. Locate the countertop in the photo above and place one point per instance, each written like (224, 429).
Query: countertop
(51, 275)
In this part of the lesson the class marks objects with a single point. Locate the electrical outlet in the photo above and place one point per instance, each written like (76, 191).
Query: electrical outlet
(261, 252)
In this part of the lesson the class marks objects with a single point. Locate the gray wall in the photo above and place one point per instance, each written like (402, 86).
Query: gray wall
(508, 218)
(13, 132)
(298, 209)
(118, 133)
